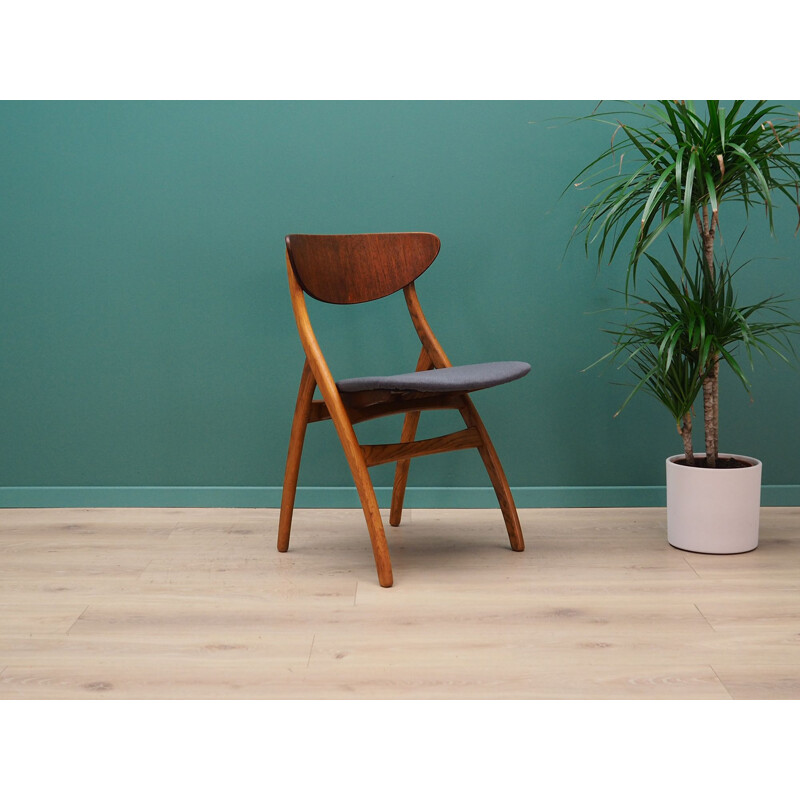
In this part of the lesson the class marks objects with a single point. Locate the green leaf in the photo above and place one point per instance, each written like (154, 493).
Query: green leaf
(712, 192)
(688, 209)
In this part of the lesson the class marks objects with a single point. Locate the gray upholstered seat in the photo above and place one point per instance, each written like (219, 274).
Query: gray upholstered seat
(466, 378)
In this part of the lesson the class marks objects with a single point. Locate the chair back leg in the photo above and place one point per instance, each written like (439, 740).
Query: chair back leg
(372, 515)
(424, 363)
(299, 424)
(401, 470)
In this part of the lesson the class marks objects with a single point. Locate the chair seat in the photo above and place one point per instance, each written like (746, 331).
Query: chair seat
(466, 378)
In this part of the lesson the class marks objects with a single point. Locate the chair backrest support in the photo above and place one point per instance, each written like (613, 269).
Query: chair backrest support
(357, 268)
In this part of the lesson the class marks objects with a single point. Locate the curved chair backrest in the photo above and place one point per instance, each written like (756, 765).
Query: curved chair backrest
(356, 268)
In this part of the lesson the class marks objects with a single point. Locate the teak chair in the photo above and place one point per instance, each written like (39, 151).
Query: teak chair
(358, 268)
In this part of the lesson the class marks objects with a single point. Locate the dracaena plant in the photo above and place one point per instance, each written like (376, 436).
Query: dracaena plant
(674, 338)
(675, 166)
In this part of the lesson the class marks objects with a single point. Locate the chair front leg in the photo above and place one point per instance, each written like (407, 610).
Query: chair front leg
(499, 481)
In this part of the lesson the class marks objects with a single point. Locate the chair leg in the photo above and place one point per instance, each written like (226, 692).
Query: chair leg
(499, 481)
(410, 422)
(401, 470)
(372, 514)
(366, 491)
(299, 424)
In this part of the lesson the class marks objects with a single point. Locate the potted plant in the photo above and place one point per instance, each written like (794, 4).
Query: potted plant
(682, 163)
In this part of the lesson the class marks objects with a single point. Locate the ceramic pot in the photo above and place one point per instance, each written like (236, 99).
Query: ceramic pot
(713, 510)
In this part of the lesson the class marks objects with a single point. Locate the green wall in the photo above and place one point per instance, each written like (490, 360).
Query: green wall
(148, 354)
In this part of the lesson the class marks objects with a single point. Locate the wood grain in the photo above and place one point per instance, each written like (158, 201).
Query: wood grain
(196, 603)
(383, 453)
(356, 268)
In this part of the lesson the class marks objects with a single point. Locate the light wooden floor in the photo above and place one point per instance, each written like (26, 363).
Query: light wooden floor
(197, 603)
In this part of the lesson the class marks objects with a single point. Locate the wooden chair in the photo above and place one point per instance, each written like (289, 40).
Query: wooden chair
(356, 269)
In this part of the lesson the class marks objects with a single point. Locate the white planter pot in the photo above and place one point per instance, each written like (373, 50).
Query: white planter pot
(713, 510)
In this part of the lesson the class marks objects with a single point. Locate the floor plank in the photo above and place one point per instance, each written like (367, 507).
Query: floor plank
(197, 603)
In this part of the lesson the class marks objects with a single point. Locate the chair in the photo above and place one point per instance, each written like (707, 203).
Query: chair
(357, 268)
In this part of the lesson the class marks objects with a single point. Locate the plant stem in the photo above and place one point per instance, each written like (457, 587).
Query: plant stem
(708, 229)
(710, 414)
(686, 433)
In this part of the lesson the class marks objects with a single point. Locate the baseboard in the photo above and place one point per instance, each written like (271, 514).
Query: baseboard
(346, 497)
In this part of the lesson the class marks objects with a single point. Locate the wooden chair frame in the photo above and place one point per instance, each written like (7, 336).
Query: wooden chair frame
(346, 409)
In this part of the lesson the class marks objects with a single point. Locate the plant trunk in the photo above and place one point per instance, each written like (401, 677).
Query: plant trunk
(711, 412)
(686, 434)
(708, 230)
